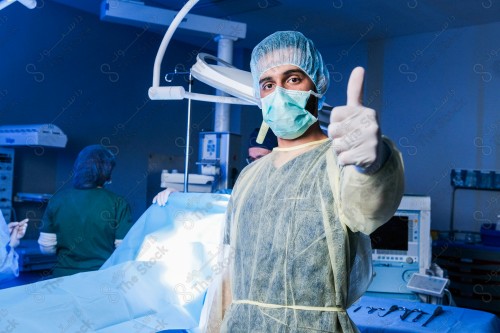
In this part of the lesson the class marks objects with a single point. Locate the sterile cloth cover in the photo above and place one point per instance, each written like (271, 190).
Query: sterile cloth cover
(156, 280)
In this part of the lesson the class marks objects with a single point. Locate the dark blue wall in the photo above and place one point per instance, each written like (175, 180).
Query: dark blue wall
(91, 78)
(437, 98)
(442, 95)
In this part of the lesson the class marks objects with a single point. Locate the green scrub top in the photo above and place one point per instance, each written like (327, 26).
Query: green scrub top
(87, 222)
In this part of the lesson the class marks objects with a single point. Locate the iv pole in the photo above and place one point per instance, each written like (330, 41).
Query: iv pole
(188, 135)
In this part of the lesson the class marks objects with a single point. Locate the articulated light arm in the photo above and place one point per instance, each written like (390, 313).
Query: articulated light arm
(28, 3)
(156, 92)
(166, 40)
(178, 93)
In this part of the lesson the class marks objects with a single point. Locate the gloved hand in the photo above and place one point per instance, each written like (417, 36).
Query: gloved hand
(162, 197)
(355, 130)
(17, 231)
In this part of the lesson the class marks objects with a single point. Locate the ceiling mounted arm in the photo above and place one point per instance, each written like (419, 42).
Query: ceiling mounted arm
(166, 40)
(224, 77)
(27, 3)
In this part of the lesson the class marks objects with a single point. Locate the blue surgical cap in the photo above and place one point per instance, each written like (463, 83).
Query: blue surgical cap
(93, 167)
(289, 48)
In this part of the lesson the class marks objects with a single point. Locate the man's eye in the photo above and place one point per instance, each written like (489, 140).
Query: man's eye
(267, 86)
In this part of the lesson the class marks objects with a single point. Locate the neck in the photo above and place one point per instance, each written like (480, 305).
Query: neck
(313, 133)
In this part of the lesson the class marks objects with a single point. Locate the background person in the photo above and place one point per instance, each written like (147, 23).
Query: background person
(10, 238)
(85, 224)
(257, 150)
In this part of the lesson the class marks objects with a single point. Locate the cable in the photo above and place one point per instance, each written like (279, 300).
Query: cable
(451, 301)
(14, 215)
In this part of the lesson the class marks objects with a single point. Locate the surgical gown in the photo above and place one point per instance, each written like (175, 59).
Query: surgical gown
(294, 222)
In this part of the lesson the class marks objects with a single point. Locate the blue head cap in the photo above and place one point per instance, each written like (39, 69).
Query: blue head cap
(93, 167)
(290, 48)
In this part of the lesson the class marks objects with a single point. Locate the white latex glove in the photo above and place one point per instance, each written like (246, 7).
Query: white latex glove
(162, 197)
(17, 231)
(355, 130)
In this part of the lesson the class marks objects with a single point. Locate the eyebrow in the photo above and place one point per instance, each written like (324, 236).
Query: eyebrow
(288, 72)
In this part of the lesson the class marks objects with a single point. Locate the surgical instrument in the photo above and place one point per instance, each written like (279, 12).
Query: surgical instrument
(436, 313)
(409, 312)
(391, 309)
(420, 315)
(373, 309)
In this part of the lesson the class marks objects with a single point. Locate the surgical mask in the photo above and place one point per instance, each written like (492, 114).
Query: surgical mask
(284, 111)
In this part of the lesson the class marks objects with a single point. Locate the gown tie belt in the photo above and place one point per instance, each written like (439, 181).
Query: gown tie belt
(293, 307)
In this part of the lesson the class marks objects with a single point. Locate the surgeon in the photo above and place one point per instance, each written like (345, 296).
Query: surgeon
(298, 220)
(257, 150)
(10, 238)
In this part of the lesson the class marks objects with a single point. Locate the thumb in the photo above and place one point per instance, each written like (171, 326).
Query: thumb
(355, 87)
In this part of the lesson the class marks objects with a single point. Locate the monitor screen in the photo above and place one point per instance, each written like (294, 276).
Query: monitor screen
(393, 235)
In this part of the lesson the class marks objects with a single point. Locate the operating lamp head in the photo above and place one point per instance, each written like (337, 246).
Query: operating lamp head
(290, 48)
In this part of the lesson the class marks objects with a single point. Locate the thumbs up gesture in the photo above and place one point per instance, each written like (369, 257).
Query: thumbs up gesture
(355, 130)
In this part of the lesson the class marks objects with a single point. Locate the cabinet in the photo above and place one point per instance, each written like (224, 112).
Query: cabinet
(474, 273)
(32, 206)
(6, 181)
(473, 267)
(476, 180)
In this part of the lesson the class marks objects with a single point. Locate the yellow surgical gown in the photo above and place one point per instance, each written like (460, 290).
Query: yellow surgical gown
(294, 222)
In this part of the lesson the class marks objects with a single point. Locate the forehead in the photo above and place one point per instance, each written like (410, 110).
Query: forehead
(280, 71)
